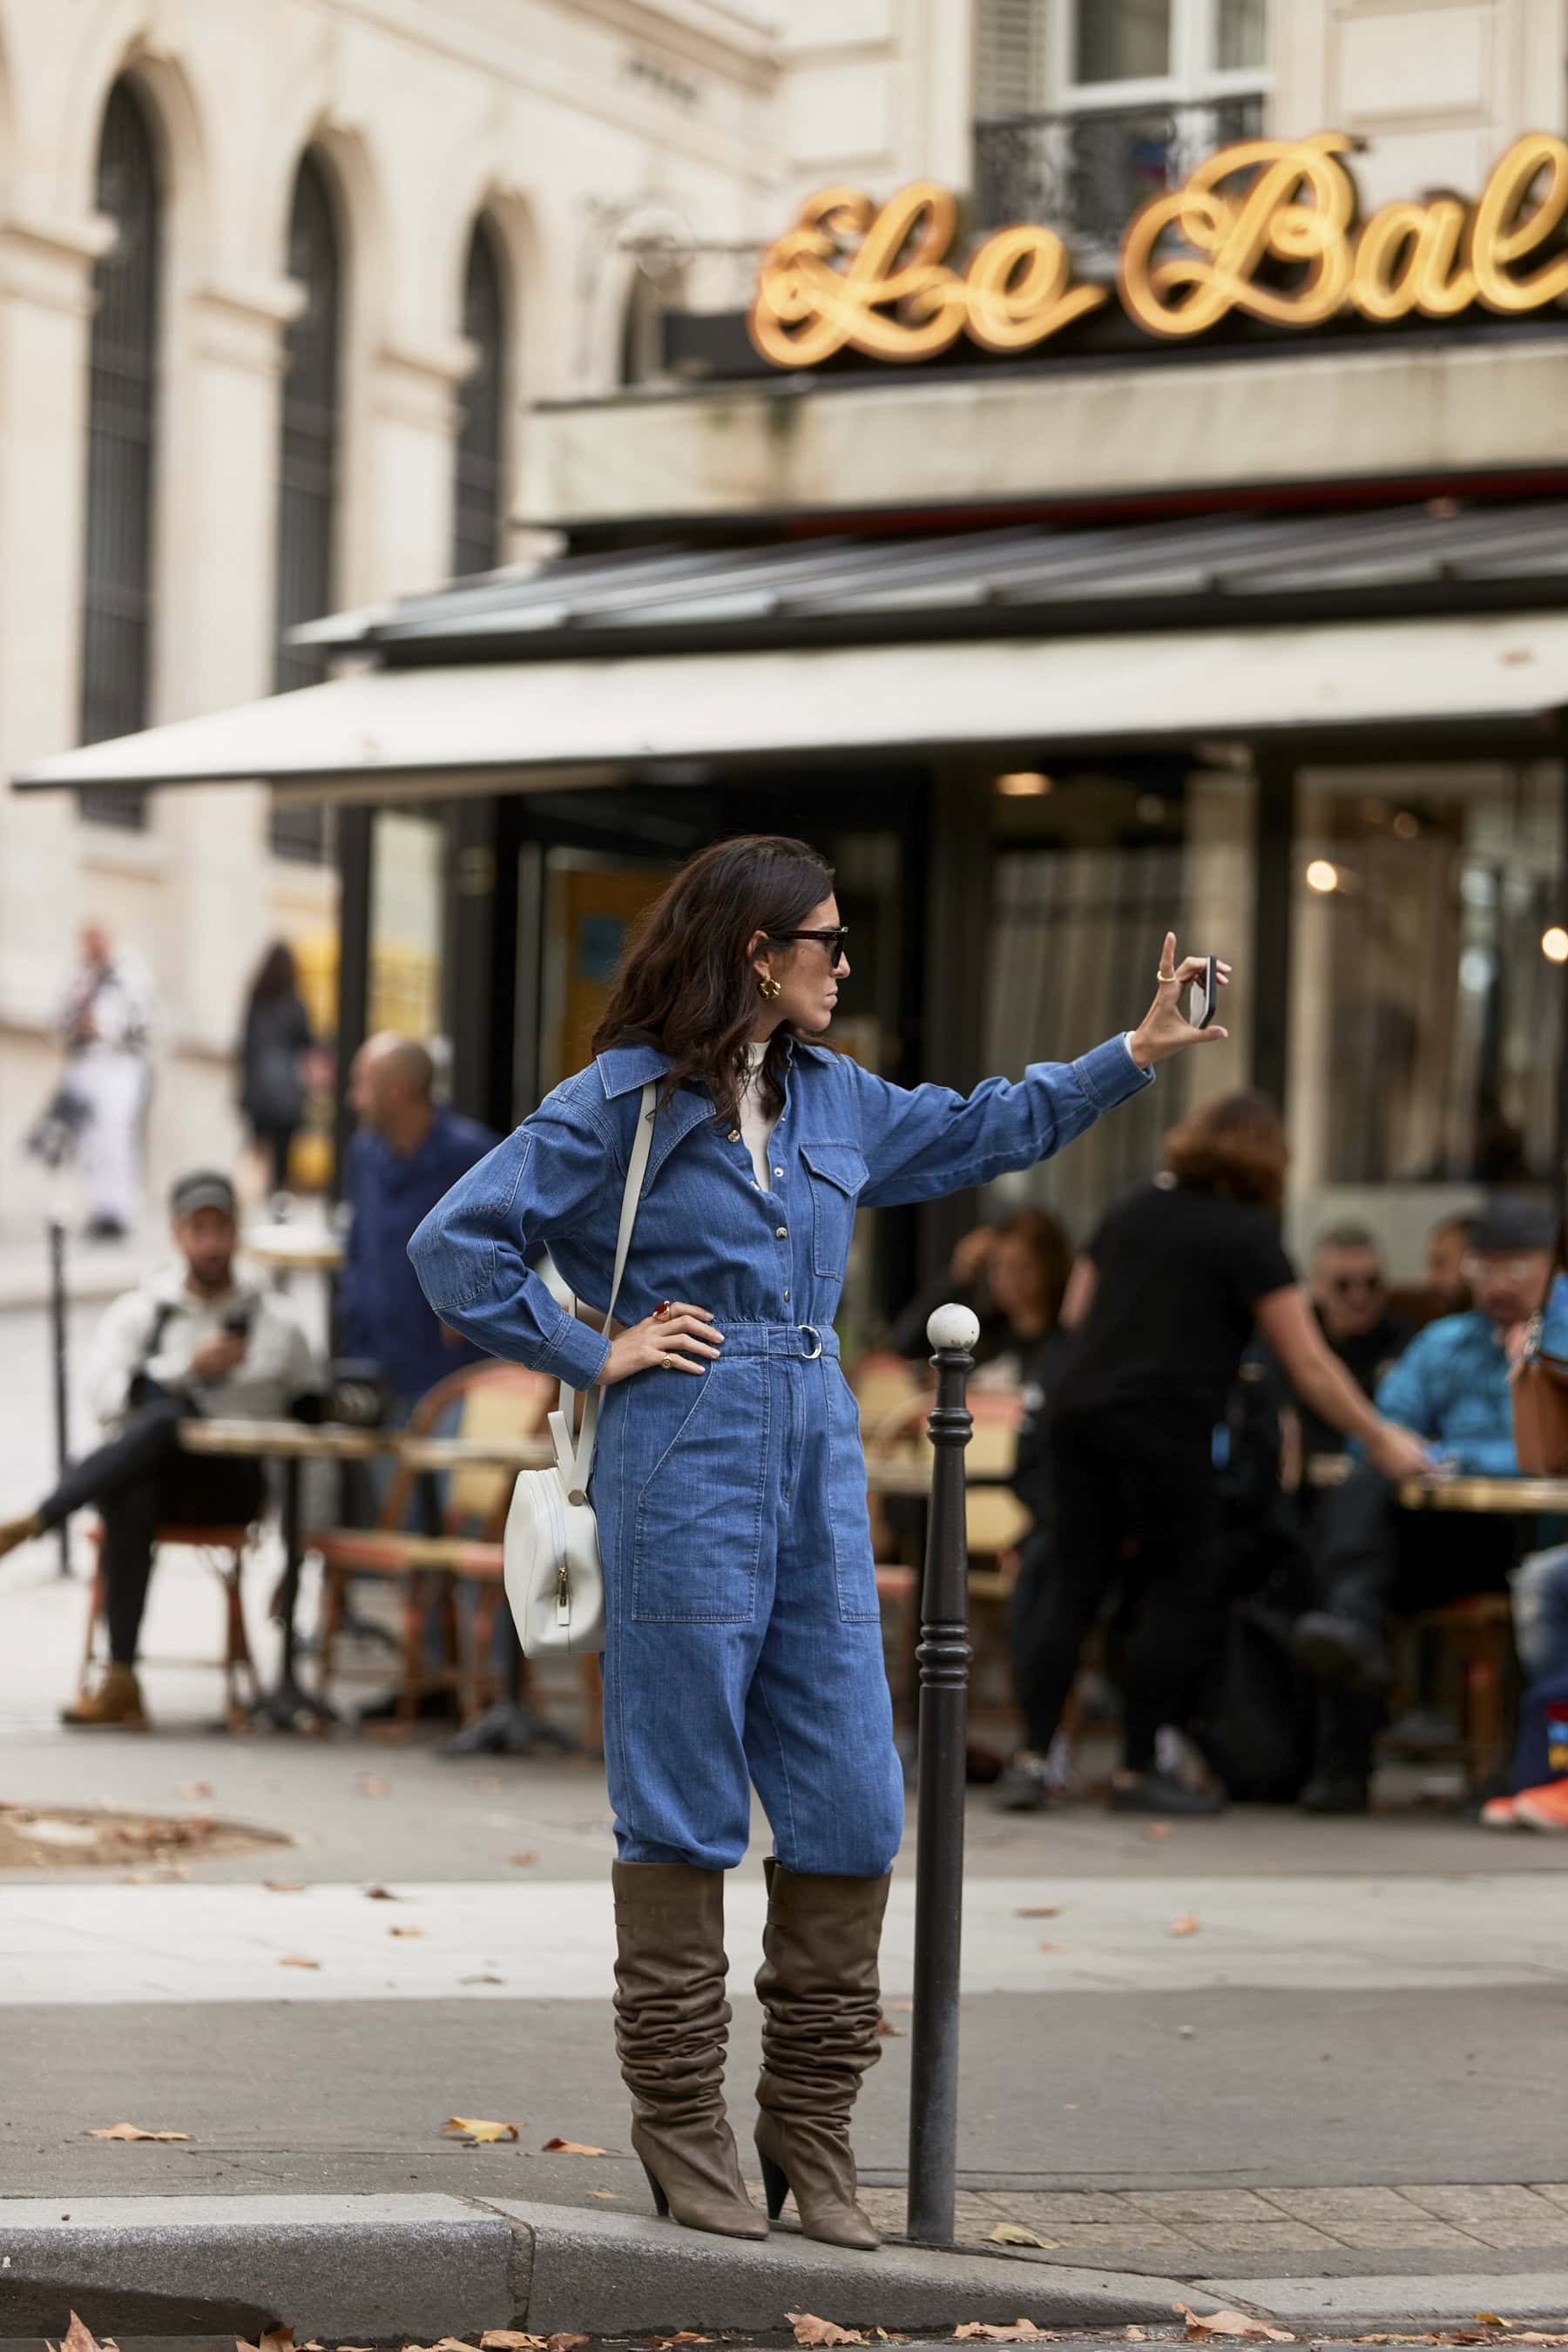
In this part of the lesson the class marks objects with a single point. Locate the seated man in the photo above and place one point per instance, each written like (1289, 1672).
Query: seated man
(191, 1340)
(1350, 1300)
(1451, 1387)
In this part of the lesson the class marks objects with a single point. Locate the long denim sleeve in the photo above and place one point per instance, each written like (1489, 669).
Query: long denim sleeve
(927, 1140)
(471, 1252)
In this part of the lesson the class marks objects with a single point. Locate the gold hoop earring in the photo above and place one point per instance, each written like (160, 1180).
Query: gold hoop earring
(771, 989)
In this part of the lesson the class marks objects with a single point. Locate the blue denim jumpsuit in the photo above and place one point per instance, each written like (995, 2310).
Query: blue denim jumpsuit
(742, 1640)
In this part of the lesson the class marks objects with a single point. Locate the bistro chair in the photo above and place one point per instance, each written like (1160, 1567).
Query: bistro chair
(224, 1548)
(1478, 1633)
(463, 1559)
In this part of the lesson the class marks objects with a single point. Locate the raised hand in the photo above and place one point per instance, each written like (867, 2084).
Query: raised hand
(1164, 1029)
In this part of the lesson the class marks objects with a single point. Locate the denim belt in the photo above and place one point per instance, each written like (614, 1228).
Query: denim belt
(804, 1340)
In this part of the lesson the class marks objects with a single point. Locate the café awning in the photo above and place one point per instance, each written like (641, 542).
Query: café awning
(512, 724)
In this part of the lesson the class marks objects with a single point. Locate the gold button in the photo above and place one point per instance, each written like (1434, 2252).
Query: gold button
(782, 1232)
(734, 1135)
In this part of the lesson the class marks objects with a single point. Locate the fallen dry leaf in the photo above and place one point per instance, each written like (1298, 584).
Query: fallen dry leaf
(1187, 2032)
(275, 2340)
(901, 2005)
(1136, 2335)
(192, 1789)
(133, 2131)
(1013, 2233)
(1230, 2323)
(298, 1960)
(481, 1979)
(510, 2339)
(1039, 1911)
(888, 2032)
(522, 1861)
(1021, 2331)
(1053, 1948)
(479, 2133)
(614, 2194)
(573, 2148)
(371, 1784)
(284, 1885)
(809, 2329)
(382, 1894)
(405, 1931)
(80, 2337)
(1153, 1830)
(449, 2344)
(563, 2342)
(1187, 1924)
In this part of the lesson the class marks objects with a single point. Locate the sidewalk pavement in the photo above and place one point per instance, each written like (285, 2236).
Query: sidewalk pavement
(1335, 2097)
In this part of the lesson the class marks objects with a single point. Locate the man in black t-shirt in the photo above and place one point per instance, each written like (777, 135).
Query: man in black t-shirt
(1350, 1300)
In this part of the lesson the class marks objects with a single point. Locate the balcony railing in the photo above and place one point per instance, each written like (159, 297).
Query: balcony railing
(1086, 174)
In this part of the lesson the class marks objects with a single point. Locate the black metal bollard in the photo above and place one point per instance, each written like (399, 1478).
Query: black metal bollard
(943, 1658)
(58, 1333)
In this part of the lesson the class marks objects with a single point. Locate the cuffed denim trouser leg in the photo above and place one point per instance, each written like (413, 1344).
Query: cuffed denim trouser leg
(743, 1644)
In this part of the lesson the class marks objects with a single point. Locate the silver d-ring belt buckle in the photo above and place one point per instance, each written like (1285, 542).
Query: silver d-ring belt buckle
(812, 1353)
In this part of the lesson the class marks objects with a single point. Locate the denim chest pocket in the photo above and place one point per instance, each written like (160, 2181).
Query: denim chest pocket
(837, 1172)
(696, 1523)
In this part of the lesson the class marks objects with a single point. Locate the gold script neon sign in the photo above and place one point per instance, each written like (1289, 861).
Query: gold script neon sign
(1266, 229)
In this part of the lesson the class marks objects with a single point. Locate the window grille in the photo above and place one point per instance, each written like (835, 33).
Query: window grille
(121, 449)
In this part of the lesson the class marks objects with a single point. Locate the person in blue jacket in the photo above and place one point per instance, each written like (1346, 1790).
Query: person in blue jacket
(742, 1643)
(1451, 1388)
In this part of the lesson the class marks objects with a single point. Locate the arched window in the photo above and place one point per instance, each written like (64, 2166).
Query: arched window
(121, 447)
(308, 469)
(476, 503)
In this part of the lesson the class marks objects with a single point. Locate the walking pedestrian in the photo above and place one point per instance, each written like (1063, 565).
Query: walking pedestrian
(106, 1027)
(742, 1642)
(274, 1049)
(1167, 1297)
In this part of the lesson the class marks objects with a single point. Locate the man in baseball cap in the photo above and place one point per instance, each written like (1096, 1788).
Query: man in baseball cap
(194, 1339)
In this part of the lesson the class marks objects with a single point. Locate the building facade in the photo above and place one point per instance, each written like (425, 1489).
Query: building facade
(1047, 642)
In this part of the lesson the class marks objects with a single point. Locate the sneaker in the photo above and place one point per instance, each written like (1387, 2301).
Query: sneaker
(1027, 1785)
(1339, 1650)
(1333, 1793)
(1154, 1792)
(1501, 1813)
(1545, 1807)
(116, 1704)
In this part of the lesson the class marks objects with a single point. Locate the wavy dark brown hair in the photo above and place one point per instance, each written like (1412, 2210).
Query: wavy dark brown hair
(1234, 1146)
(685, 982)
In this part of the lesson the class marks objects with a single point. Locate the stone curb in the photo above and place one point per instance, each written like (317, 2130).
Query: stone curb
(382, 2267)
(1341, 2306)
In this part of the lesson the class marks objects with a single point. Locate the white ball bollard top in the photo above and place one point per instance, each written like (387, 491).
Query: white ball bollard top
(954, 1327)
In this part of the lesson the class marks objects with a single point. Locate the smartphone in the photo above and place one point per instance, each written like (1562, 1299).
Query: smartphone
(1202, 995)
(236, 1323)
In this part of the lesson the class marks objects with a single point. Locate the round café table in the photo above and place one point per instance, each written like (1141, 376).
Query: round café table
(1519, 1496)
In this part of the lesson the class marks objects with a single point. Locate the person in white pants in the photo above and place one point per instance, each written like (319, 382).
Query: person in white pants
(105, 1024)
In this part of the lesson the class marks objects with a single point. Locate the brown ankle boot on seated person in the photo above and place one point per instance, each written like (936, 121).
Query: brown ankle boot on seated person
(116, 1704)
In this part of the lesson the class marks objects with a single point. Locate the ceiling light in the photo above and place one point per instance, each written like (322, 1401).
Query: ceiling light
(1026, 785)
(1321, 876)
(1554, 944)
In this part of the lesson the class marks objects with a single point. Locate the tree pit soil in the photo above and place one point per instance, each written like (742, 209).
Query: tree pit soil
(66, 1837)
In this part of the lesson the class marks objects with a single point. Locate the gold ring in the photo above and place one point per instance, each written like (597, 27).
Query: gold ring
(1164, 977)
(669, 1363)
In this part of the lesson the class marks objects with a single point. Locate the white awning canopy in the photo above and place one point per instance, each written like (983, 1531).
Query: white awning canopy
(536, 725)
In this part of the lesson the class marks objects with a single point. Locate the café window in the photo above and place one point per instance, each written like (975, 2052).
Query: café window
(1426, 992)
(1091, 867)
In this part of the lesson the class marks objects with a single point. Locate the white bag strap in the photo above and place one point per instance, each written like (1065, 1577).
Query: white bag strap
(575, 1465)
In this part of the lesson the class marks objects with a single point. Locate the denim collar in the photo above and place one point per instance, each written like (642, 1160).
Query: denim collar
(624, 1068)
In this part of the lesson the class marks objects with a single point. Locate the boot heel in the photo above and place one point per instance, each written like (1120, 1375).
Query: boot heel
(660, 2201)
(775, 2185)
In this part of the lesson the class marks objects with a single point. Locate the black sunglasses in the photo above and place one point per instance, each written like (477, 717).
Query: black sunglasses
(832, 940)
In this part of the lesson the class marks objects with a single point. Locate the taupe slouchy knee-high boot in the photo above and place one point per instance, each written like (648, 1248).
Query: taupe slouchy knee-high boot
(820, 2002)
(671, 2020)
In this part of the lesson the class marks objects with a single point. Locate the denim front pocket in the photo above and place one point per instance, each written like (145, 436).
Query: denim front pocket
(838, 1172)
(696, 1530)
(854, 1562)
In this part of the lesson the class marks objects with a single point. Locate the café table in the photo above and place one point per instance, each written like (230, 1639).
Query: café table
(1521, 1497)
(291, 1443)
(294, 1249)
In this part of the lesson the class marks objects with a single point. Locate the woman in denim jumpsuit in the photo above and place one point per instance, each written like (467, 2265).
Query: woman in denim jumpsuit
(742, 1645)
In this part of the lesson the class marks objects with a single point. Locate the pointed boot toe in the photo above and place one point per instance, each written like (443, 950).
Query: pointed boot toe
(816, 2167)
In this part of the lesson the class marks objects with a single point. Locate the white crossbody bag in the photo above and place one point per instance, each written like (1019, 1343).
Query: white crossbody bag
(554, 1576)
